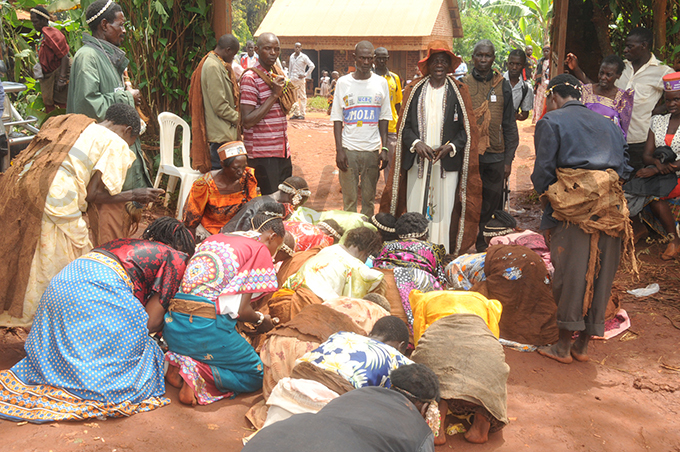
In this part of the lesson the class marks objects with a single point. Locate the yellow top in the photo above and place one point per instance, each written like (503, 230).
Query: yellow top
(431, 306)
(394, 84)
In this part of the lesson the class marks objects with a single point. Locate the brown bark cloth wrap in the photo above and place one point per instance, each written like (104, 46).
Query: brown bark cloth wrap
(594, 201)
(23, 202)
(286, 343)
(469, 362)
(288, 268)
(200, 152)
(529, 309)
(466, 212)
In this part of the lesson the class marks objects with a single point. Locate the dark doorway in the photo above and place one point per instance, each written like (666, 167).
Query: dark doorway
(326, 61)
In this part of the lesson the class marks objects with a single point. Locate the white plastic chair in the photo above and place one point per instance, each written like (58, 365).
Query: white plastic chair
(185, 173)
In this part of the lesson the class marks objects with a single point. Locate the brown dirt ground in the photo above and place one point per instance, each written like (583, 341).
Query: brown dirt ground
(627, 398)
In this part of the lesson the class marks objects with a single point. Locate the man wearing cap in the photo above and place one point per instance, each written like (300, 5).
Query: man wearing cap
(578, 153)
(300, 68)
(96, 83)
(495, 115)
(213, 100)
(394, 84)
(436, 164)
(361, 113)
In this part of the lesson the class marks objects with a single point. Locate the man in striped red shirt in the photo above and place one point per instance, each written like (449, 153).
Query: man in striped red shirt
(265, 127)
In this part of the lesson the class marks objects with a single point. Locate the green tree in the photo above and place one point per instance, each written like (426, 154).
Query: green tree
(477, 25)
(528, 20)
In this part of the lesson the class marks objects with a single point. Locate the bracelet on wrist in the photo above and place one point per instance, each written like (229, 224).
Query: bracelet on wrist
(260, 319)
(384, 148)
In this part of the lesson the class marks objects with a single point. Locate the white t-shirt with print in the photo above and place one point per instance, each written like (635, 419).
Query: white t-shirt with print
(360, 104)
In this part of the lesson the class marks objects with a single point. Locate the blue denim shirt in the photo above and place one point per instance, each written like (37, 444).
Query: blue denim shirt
(575, 137)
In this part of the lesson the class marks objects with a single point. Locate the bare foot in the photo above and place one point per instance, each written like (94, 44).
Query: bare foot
(187, 395)
(579, 350)
(173, 377)
(479, 432)
(443, 411)
(557, 355)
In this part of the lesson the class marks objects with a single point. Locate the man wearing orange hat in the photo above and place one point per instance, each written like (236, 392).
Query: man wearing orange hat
(436, 163)
(495, 114)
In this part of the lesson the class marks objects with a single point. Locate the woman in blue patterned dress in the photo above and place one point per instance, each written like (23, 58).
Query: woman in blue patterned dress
(89, 353)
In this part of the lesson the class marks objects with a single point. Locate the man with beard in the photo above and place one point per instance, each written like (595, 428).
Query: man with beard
(96, 83)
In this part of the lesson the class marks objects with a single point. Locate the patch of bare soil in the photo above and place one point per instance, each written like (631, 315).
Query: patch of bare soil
(627, 398)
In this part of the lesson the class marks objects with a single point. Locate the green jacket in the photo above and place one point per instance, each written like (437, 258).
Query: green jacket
(96, 83)
(221, 116)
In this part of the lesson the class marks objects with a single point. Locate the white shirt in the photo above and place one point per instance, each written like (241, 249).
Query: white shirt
(648, 88)
(300, 65)
(360, 104)
(517, 93)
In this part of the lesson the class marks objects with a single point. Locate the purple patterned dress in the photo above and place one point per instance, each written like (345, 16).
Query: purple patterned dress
(619, 109)
(417, 264)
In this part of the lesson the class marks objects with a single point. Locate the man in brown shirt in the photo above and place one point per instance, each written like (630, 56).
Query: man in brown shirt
(492, 102)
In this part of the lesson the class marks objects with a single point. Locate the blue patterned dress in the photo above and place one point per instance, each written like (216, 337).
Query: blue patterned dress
(89, 353)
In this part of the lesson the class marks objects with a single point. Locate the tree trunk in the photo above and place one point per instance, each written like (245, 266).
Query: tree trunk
(601, 17)
(659, 10)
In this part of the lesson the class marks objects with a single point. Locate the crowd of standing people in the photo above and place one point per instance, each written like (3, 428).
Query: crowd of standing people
(342, 318)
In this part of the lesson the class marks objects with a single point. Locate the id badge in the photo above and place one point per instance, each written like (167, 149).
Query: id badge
(492, 98)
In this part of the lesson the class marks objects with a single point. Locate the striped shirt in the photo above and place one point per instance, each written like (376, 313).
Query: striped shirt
(269, 137)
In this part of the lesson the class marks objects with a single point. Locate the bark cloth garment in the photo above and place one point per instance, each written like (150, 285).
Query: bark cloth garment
(594, 201)
(200, 152)
(470, 364)
(313, 325)
(23, 201)
(468, 206)
(287, 269)
(488, 115)
(517, 277)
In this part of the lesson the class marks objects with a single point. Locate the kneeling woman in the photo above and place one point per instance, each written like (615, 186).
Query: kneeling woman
(336, 271)
(89, 353)
(416, 263)
(208, 358)
(460, 332)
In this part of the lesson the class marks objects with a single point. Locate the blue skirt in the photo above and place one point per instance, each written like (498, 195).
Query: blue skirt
(234, 363)
(90, 337)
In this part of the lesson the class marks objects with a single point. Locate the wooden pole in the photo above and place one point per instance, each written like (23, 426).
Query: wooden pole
(559, 37)
(221, 21)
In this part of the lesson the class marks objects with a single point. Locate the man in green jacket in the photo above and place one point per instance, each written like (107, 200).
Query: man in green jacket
(96, 83)
(213, 100)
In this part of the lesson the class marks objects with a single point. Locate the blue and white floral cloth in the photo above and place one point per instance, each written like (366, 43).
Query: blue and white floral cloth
(361, 360)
